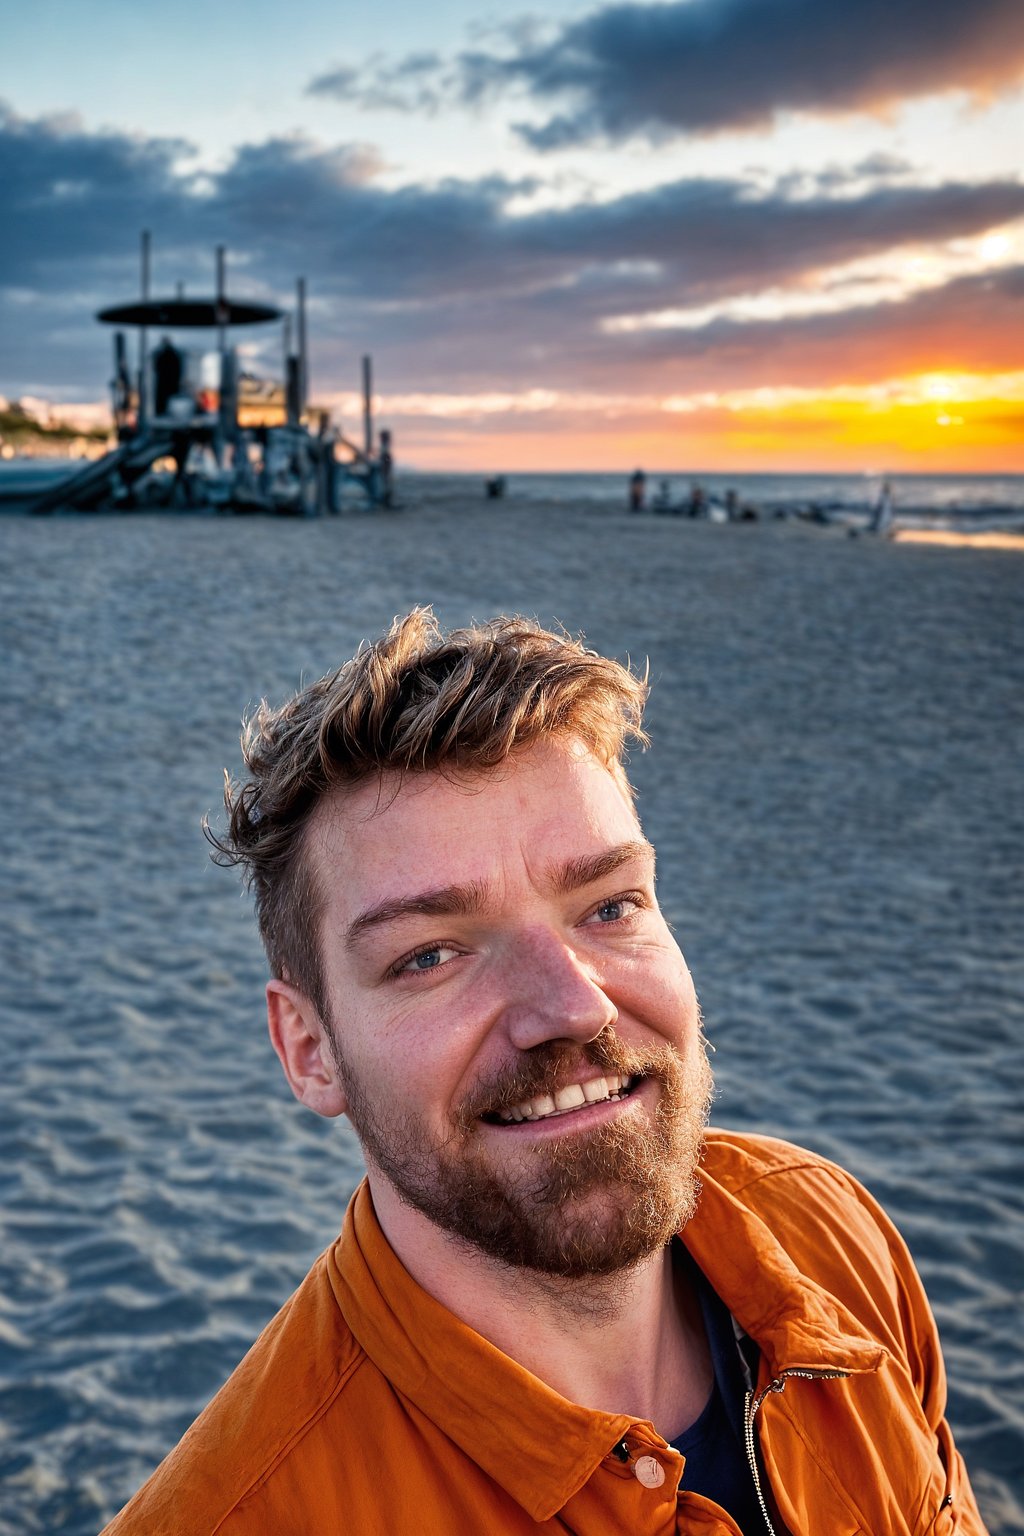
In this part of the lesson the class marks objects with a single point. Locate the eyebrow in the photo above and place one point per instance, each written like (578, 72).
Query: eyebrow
(461, 900)
(444, 901)
(576, 873)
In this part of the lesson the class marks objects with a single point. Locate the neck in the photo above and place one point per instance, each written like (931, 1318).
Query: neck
(631, 1342)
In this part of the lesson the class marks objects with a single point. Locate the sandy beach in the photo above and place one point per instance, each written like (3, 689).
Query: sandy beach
(834, 789)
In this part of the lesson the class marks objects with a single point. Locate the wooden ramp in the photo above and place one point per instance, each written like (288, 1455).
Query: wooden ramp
(97, 481)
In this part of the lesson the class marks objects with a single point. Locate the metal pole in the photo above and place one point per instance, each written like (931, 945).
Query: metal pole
(221, 302)
(303, 359)
(368, 406)
(286, 344)
(143, 410)
(121, 386)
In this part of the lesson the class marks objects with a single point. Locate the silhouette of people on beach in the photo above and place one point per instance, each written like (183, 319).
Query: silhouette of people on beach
(637, 490)
(167, 370)
(387, 469)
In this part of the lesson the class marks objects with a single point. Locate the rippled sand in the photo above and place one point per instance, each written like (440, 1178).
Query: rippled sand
(835, 791)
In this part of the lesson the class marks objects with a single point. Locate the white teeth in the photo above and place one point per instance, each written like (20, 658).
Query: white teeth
(571, 1097)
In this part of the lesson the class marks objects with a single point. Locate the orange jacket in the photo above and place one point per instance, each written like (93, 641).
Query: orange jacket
(367, 1409)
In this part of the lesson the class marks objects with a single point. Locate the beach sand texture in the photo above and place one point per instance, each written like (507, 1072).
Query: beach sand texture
(834, 788)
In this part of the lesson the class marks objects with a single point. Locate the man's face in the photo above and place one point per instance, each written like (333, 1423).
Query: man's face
(515, 1032)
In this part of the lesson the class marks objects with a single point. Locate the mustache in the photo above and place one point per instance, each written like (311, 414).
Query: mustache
(555, 1063)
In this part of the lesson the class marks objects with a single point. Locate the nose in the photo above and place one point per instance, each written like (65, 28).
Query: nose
(551, 995)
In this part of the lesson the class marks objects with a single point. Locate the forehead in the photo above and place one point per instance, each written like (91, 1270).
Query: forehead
(546, 803)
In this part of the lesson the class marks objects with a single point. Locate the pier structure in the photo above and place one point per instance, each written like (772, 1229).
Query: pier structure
(197, 430)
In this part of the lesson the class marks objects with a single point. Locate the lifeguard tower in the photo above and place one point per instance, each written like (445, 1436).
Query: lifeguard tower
(197, 431)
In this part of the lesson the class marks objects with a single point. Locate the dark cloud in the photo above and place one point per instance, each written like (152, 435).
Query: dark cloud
(706, 239)
(72, 194)
(832, 180)
(339, 84)
(417, 83)
(700, 66)
(686, 242)
(704, 66)
(969, 324)
(447, 287)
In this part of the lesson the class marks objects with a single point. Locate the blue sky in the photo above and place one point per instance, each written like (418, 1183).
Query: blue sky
(657, 217)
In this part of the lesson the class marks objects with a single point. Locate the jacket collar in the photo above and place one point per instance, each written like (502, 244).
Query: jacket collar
(534, 1443)
(795, 1322)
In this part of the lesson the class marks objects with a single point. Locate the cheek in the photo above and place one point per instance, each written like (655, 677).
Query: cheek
(659, 992)
(423, 1046)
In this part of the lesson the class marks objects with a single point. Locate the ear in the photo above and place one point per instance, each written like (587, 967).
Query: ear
(299, 1036)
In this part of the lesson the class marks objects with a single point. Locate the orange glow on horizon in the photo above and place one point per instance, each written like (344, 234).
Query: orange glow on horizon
(931, 425)
(952, 540)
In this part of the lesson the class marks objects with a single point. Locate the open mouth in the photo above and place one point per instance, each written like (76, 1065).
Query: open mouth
(565, 1101)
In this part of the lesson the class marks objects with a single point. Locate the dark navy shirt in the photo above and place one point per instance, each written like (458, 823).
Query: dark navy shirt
(716, 1458)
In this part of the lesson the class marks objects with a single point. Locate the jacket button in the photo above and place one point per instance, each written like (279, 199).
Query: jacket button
(648, 1471)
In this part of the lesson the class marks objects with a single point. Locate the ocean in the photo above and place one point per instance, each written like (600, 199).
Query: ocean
(968, 503)
(834, 787)
(961, 502)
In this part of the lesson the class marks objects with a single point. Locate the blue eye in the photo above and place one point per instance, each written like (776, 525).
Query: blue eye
(433, 958)
(617, 909)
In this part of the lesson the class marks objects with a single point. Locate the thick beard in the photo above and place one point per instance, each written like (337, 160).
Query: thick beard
(587, 1204)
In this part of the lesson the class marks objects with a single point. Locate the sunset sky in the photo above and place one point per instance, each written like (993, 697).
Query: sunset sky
(698, 234)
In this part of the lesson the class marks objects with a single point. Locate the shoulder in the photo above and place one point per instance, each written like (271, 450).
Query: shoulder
(739, 1157)
(830, 1226)
(274, 1399)
(793, 1189)
(757, 1168)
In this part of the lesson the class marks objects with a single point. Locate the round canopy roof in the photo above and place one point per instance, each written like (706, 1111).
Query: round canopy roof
(189, 312)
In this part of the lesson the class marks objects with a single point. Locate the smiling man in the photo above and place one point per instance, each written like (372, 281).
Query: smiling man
(557, 1299)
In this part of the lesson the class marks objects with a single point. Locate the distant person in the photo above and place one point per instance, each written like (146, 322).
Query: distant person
(698, 503)
(663, 498)
(167, 370)
(387, 469)
(122, 391)
(732, 506)
(637, 490)
(883, 516)
(558, 1303)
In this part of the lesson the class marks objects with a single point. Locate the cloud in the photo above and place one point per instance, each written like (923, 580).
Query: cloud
(449, 289)
(69, 193)
(969, 325)
(415, 84)
(705, 66)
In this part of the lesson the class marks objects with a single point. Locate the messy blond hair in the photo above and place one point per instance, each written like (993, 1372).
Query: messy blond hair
(414, 701)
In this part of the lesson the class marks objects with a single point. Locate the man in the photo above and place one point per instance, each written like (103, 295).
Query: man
(167, 370)
(556, 1300)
